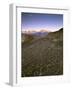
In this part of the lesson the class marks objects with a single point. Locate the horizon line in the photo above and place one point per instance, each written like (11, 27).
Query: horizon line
(39, 30)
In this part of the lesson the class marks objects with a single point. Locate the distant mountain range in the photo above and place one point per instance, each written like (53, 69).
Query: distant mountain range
(35, 31)
(38, 32)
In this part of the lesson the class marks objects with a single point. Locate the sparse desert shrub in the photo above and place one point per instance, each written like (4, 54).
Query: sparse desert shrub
(43, 56)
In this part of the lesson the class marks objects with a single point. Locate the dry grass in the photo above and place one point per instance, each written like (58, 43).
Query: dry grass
(43, 56)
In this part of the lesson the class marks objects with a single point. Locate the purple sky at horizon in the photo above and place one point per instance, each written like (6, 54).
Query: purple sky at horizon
(37, 21)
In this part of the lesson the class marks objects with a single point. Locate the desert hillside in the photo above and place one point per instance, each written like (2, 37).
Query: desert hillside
(42, 56)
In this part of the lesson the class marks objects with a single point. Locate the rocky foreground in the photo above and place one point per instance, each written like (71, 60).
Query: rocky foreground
(42, 56)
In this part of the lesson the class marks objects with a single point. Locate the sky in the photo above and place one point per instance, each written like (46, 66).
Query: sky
(38, 21)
